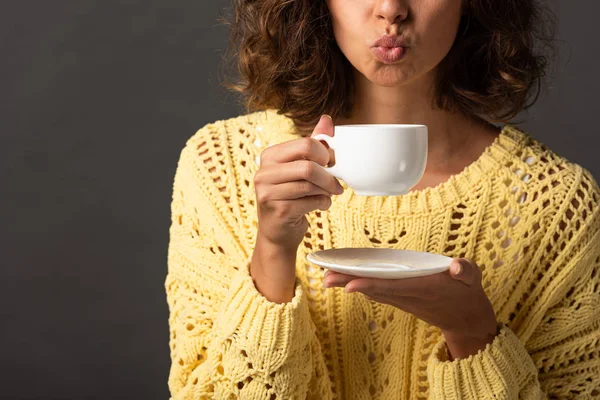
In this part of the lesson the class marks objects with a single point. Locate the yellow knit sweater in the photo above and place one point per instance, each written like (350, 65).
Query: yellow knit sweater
(528, 217)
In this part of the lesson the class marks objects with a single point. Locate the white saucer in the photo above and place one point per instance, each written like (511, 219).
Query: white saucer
(380, 263)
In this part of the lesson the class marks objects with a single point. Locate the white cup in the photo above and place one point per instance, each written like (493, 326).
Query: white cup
(378, 159)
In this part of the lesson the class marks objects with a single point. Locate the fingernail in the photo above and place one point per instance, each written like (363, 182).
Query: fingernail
(325, 285)
(328, 116)
(347, 290)
(459, 269)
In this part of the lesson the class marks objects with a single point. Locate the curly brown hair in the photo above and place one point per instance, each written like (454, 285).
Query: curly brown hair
(287, 59)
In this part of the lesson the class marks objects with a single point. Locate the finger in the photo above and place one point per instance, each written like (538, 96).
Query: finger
(378, 299)
(298, 149)
(420, 287)
(299, 170)
(338, 280)
(465, 271)
(326, 126)
(327, 273)
(284, 209)
(304, 205)
(293, 190)
(407, 304)
(331, 272)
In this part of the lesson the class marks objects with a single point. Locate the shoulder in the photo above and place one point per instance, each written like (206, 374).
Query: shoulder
(543, 169)
(221, 148)
(268, 125)
(218, 162)
(556, 194)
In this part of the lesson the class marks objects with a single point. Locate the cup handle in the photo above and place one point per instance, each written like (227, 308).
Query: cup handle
(330, 140)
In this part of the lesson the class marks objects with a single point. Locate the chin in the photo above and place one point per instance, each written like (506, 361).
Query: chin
(389, 76)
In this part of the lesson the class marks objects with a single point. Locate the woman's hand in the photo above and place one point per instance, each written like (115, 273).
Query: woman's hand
(290, 182)
(454, 301)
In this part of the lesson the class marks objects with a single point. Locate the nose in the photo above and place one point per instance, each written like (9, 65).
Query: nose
(393, 11)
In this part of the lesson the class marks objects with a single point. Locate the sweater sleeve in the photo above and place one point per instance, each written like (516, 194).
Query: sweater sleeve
(561, 358)
(226, 339)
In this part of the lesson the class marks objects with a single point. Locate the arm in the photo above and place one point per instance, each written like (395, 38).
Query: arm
(560, 358)
(228, 340)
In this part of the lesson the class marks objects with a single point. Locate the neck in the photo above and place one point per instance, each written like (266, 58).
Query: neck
(413, 103)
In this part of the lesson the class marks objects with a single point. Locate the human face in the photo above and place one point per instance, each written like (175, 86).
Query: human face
(426, 28)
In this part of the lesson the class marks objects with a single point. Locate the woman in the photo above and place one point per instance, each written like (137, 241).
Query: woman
(516, 316)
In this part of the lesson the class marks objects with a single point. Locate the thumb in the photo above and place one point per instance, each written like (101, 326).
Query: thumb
(325, 125)
(466, 271)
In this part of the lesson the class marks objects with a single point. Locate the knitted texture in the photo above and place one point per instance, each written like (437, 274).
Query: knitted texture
(526, 216)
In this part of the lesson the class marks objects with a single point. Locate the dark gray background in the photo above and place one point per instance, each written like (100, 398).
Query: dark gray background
(97, 100)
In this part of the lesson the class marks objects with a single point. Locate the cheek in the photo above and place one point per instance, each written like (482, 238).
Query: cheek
(438, 24)
(347, 17)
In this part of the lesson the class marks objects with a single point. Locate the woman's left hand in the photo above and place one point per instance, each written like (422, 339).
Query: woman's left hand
(454, 301)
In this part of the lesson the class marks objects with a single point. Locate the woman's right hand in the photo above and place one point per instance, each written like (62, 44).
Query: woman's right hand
(290, 183)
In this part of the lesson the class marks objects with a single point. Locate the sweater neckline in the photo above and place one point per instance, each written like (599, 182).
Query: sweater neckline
(454, 191)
